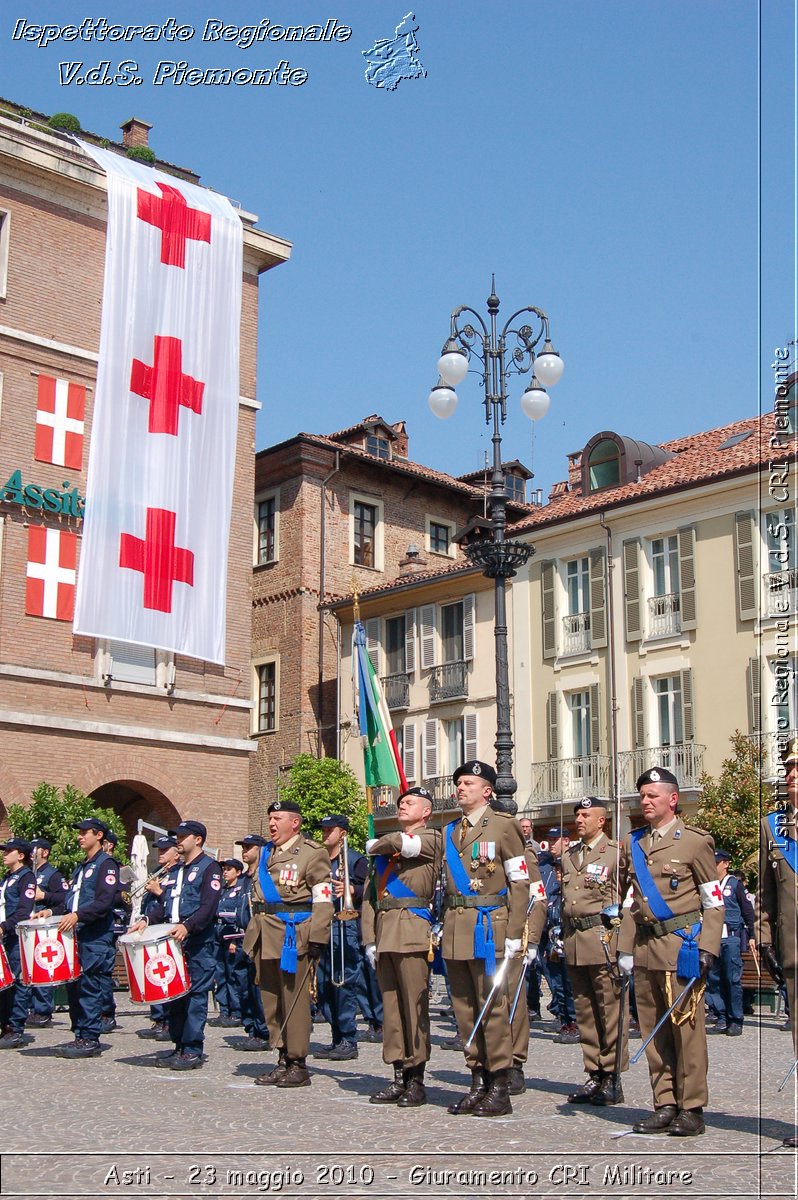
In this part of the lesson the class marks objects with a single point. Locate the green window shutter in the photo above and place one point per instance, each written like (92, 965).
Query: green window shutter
(598, 598)
(552, 740)
(688, 717)
(549, 609)
(595, 720)
(744, 535)
(631, 590)
(753, 682)
(639, 712)
(687, 577)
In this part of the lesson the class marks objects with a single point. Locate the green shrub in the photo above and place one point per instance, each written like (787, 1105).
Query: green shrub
(142, 154)
(66, 121)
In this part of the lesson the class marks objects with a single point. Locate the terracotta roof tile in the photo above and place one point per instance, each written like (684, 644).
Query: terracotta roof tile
(401, 581)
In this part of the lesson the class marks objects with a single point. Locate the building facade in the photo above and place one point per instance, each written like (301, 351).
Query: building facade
(152, 735)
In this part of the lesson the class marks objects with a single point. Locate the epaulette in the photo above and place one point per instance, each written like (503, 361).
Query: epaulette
(310, 842)
(697, 829)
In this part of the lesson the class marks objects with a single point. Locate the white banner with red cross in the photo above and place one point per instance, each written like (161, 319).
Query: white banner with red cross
(153, 560)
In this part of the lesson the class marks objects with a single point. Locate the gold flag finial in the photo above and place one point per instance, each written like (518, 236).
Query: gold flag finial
(355, 598)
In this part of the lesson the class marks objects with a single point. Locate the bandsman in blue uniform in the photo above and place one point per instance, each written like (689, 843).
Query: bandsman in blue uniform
(121, 919)
(725, 982)
(51, 890)
(17, 897)
(252, 1014)
(190, 906)
(232, 919)
(157, 885)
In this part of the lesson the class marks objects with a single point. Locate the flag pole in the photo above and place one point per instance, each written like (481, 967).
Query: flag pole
(369, 789)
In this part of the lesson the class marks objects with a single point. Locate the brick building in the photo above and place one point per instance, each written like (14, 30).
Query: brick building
(153, 735)
(334, 514)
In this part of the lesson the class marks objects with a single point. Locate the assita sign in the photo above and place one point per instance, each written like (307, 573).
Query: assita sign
(66, 502)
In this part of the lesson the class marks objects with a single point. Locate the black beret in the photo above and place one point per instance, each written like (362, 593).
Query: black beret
(482, 770)
(417, 791)
(335, 821)
(657, 775)
(284, 806)
(590, 802)
(195, 827)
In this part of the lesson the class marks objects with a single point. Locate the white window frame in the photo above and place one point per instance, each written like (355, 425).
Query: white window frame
(583, 694)
(113, 669)
(379, 530)
(675, 711)
(262, 661)
(261, 498)
(429, 520)
(5, 239)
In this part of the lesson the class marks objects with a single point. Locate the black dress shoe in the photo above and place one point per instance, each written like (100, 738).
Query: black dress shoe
(689, 1123)
(480, 1081)
(516, 1085)
(295, 1075)
(395, 1089)
(610, 1092)
(415, 1092)
(273, 1077)
(659, 1121)
(587, 1091)
(497, 1101)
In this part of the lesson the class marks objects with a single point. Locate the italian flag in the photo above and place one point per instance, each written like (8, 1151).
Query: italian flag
(383, 764)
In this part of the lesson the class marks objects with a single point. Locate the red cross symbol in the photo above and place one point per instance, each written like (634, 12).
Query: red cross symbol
(325, 891)
(162, 562)
(160, 969)
(165, 385)
(716, 893)
(522, 867)
(176, 221)
(48, 953)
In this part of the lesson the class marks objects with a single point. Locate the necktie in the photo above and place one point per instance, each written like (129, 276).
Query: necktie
(580, 858)
(465, 825)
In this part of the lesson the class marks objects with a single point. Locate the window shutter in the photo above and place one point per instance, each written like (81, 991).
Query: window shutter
(470, 737)
(373, 641)
(468, 629)
(753, 680)
(552, 740)
(410, 641)
(595, 720)
(631, 590)
(427, 615)
(639, 712)
(549, 615)
(688, 720)
(598, 599)
(744, 533)
(409, 750)
(430, 749)
(687, 599)
(131, 663)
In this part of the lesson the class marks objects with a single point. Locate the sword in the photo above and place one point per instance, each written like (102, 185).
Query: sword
(498, 980)
(662, 1020)
(783, 1083)
(616, 1071)
(311, 966)
(522, 977)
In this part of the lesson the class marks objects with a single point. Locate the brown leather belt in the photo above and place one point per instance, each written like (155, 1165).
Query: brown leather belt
(260, 907)
(582, 923)
(476, 901)
(389, 902)
(659, 929)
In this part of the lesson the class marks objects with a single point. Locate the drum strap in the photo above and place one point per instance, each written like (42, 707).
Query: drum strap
(174, 899)
(76, 891)
(3, 887)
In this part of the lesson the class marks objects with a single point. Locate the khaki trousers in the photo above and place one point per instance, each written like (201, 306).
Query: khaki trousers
(597, 998)
(277, 990)
(492, 1047)
(404, 983)
(677, 1056)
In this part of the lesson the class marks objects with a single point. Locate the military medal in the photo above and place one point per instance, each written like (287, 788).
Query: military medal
(491, 867)
(475, 885)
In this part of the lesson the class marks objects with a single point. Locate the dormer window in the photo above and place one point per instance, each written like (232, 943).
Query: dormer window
(604, 465)
(516, 488)
(378, 446)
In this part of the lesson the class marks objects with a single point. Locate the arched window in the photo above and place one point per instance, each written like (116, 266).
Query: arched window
(604, 465)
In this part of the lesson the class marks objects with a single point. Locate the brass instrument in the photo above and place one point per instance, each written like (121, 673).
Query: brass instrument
(347, 912)
(141, 888)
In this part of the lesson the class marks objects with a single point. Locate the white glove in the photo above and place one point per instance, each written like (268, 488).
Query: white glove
(371, 955)
(626, 964)
(512, 946)
(531, 955)
(370, 844)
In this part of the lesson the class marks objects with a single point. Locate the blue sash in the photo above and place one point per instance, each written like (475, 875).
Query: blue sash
(394, 887)
(787, 845)
(288, 957)
(484, 944)
(687, 963)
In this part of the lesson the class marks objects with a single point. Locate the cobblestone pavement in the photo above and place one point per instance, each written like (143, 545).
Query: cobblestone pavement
(73, 1129)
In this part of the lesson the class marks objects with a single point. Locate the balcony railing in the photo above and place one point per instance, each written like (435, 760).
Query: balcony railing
(664, 614)
(771, 745)
(570, 778)
(576, 633)
(781, 593)
(443, 797)
(396, 689)
(685, 760)
(449, 682)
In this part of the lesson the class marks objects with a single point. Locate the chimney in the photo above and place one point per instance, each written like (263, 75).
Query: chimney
(575, 470)
(412, 563)
(401, 445)
(135, 132)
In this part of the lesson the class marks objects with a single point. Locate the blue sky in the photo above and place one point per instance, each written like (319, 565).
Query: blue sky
(601, 158)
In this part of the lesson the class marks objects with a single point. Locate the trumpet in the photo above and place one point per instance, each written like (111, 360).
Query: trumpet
(347, 912)
(141, 888)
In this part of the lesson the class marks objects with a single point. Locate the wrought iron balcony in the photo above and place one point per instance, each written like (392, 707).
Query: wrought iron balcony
(683, 759)
(664, 614)
(396, 689)
(576, 633)
(443, 797)
(449, 682)
(771, 745)
(781, 593)
(570, 778)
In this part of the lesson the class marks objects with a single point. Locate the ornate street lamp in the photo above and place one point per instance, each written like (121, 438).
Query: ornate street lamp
(499, 559)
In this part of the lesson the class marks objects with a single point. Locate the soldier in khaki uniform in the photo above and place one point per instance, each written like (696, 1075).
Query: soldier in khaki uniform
(678, 868)
(397, 938)
(776, 933)
(535, 924)
(487, 895)
(590, 884)
(291, 916)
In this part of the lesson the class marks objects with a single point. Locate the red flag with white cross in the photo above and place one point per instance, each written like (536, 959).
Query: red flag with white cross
(60, 412)
(50, 583)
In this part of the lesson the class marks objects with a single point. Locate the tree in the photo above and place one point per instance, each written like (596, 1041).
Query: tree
(52, 814)
(322, 786)
(731, 806)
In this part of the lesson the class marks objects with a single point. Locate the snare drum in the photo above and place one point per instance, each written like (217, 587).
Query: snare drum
(156, 969)
(47, 956)
(6, 974)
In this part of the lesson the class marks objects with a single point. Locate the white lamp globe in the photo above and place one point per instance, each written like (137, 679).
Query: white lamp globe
(453, 365)
(548, 365)
(443, 401)
(535, 401)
